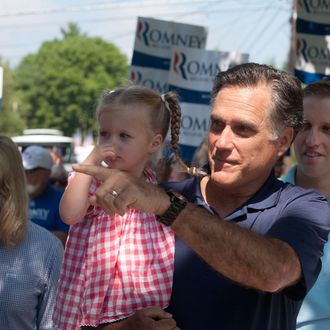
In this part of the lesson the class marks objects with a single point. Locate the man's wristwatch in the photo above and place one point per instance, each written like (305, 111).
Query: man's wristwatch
(178, 203)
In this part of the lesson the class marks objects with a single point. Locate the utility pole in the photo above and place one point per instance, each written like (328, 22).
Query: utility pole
(293, 42)
(1, 86)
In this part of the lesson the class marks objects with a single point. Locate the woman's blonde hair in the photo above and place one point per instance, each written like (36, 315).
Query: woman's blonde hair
(13, 194)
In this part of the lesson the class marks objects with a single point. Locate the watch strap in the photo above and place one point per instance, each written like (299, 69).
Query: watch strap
(178, 203)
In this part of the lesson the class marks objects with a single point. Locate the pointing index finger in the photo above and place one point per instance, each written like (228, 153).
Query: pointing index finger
(99, 172)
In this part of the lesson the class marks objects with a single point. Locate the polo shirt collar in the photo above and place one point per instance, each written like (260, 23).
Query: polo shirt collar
(266, 197)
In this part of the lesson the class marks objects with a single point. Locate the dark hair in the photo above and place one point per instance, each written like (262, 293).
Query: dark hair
(164, 110)
(286, 109)
(319, 88)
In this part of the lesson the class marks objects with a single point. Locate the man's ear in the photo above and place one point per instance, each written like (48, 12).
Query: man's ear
(285, 140)
(156, 143)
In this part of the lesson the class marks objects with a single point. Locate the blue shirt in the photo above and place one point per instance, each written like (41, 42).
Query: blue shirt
(203, 299)
(28, 276)
(44, 210)
(315, 310)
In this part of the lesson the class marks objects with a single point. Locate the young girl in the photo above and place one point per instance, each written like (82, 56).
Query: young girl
(115, 265)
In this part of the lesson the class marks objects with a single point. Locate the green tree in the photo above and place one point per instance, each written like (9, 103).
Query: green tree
(59, 85)
(10, 121)
(71, 31)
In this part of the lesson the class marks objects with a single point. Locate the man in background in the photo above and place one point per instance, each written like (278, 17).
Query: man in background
(44, 198)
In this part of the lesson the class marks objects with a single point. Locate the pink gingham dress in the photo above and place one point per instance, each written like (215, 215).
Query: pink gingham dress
(114, 266)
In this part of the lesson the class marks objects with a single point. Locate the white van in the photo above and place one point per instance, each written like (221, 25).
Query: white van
(48, 138)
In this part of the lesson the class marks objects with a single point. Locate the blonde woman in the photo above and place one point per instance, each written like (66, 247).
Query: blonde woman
(30, 257)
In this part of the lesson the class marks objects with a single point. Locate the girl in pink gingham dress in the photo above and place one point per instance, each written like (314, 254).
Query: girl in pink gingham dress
(115, 265)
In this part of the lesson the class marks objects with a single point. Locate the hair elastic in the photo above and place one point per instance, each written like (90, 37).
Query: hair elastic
(167, 106)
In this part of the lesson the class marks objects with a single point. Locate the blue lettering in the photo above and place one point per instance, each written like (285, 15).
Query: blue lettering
(156, 86)
(320, 4)
(189, 123)
(210, 70)
(181, 66)
(186, 122)
(304, 4)
(325, 54)
(157, 36)
(193, 67)
(145, 33)
(195, 42)
(318, 53)
(181, 40)
(202, 69)
(312, 53)
(168, 39)
(303, 48)
(137, 78)
(314, 5)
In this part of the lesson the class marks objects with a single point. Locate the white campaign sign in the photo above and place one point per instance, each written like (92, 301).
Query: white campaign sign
(314, 53)
(315, 11)
(153, 44)
(191, 75)
(155, 79)
(313, 40)
(156, 37)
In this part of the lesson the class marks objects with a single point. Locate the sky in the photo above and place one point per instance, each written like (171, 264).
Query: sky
(258, 27)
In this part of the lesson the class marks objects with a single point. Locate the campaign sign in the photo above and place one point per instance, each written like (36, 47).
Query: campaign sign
(154, 39)
(313, 40)
(155, 79)
(191, 76)
(313, 57)
(152, 49)
(314, 10)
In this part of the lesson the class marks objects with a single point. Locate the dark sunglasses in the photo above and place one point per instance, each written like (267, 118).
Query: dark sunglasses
(33, 170)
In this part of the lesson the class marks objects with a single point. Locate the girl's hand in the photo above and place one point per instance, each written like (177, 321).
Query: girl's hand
(99, 154)
(122, 191)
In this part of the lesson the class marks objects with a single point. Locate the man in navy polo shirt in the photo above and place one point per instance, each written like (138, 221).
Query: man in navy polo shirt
(248, 246)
